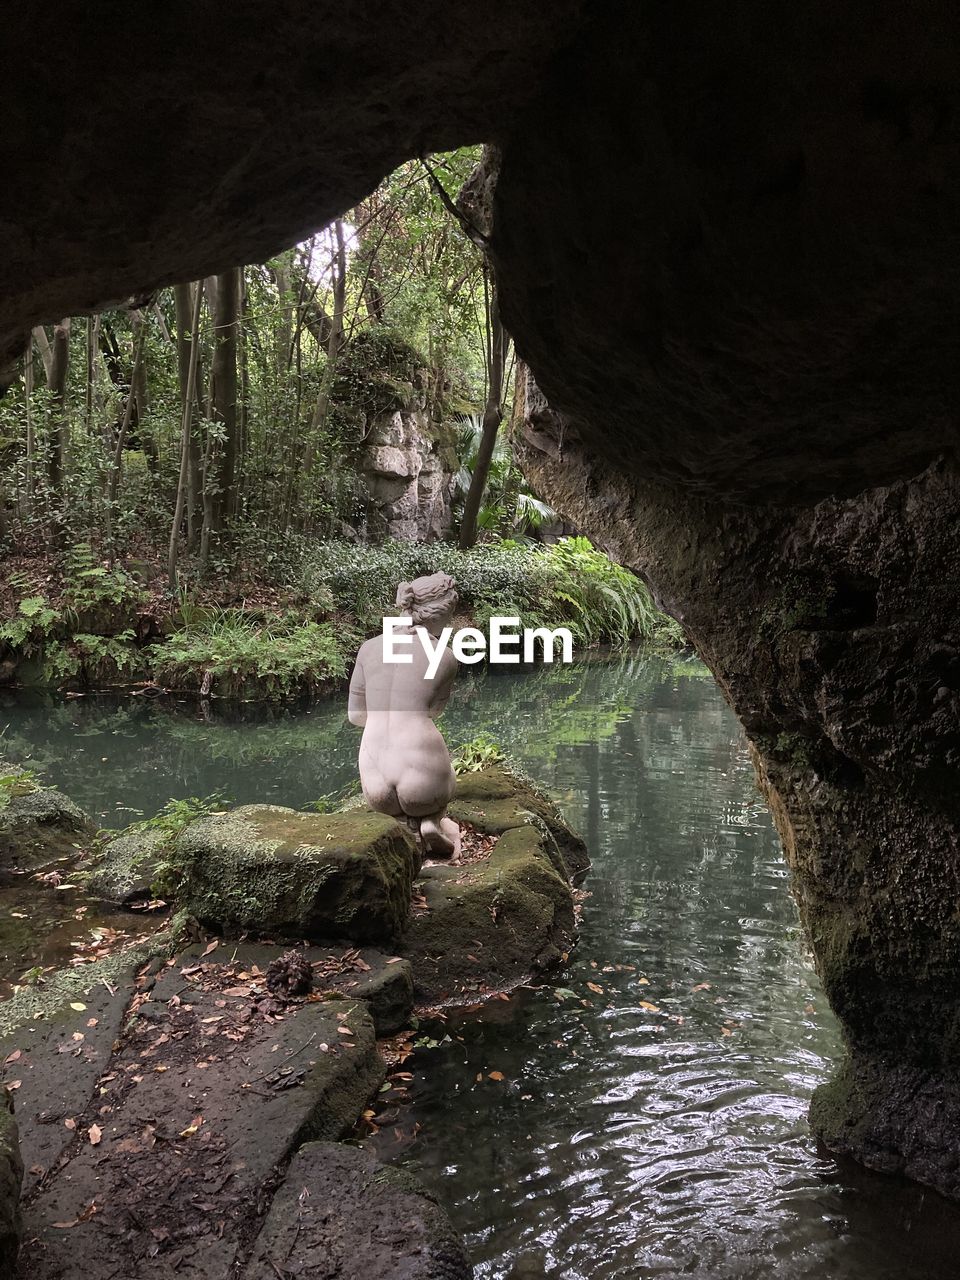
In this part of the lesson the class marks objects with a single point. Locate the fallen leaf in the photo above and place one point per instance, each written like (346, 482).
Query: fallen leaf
(92, 1022)
(212, 946)
(84, 1216)
(95, 1133)
(70, 1123)
(191, 1129)
(344, 1031)
(496, 1075)
(78, 1006)
(13, 1084)
(651, 1008)
(394, 959)
(702, 986)
(13, 1057)
(595, 987)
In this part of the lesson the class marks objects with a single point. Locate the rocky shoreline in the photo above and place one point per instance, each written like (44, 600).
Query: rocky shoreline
(179, 1103)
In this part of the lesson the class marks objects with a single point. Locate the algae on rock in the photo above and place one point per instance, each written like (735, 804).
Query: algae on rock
(275, 871)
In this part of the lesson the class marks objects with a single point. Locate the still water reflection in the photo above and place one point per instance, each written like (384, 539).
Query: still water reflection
(652, 1124)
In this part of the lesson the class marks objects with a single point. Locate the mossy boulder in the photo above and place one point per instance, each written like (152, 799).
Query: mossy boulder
(37, 824)
(11, 1177)
(127, 867)
(491, 922)
(277, 872)
(494, 799)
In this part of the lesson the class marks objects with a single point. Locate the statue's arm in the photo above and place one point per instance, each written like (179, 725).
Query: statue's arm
(357, 699)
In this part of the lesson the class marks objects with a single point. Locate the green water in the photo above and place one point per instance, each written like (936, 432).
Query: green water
(624, 1141)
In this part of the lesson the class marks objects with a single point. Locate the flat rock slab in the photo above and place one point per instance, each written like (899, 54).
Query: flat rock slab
(277, 872)
(341, 1216)
(383, 982)
(54, 1061)
(176, 1158)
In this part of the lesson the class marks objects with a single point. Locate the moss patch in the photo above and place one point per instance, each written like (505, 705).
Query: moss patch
(278, 872)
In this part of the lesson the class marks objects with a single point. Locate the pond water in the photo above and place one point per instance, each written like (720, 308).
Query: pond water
(651, 1119)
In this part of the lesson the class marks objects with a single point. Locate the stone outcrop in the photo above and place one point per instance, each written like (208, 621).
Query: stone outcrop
(280, 873)
(409, 465)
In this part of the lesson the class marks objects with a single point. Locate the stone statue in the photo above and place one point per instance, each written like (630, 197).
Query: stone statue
(405, 767)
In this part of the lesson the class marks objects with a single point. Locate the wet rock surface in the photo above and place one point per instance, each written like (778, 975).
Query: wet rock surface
(341, 1216)
(11, 1175)
(279, 872)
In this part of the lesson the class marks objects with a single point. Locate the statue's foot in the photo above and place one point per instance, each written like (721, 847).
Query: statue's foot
(440, 839)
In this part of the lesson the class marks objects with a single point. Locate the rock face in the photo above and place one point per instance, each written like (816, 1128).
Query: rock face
(37, 824)
(11, 1176)
(312, 107)
(279, 872)
(341, 1214)
(409, 464)
(495, 920)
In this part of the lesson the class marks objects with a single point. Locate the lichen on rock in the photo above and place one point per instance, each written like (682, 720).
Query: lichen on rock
(275, 871)
(37, 824)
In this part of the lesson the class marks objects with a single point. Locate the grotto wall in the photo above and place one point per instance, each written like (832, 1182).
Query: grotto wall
(726, 239)
(740, 309)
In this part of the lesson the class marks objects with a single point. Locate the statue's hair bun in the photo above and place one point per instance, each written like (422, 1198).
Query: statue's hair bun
(406, 596)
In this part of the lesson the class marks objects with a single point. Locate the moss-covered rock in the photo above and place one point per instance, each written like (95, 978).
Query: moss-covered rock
(127, 867)
(340, 1213)
(277, 872)
(37, 824)
(11, 1176)
(494, 800)
(494, 921)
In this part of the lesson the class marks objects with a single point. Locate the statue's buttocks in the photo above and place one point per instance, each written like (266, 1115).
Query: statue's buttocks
(405, 767)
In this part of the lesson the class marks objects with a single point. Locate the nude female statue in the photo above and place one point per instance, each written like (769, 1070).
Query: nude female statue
(405, 767)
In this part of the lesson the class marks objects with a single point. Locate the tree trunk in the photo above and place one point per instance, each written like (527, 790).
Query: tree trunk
(226, 333)
(58, 440)
(183, 303)
(46, 351)
(141, 330)
(497, 343)
(334, 345)
(186, 396)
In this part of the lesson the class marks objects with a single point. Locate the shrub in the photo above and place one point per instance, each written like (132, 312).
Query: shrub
(227, 647)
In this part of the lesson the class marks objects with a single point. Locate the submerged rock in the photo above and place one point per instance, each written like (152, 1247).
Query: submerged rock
(11, 1176)
(128, 866)
(497, 918)
(37, 824)
(278, 872)
(339, 1213)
